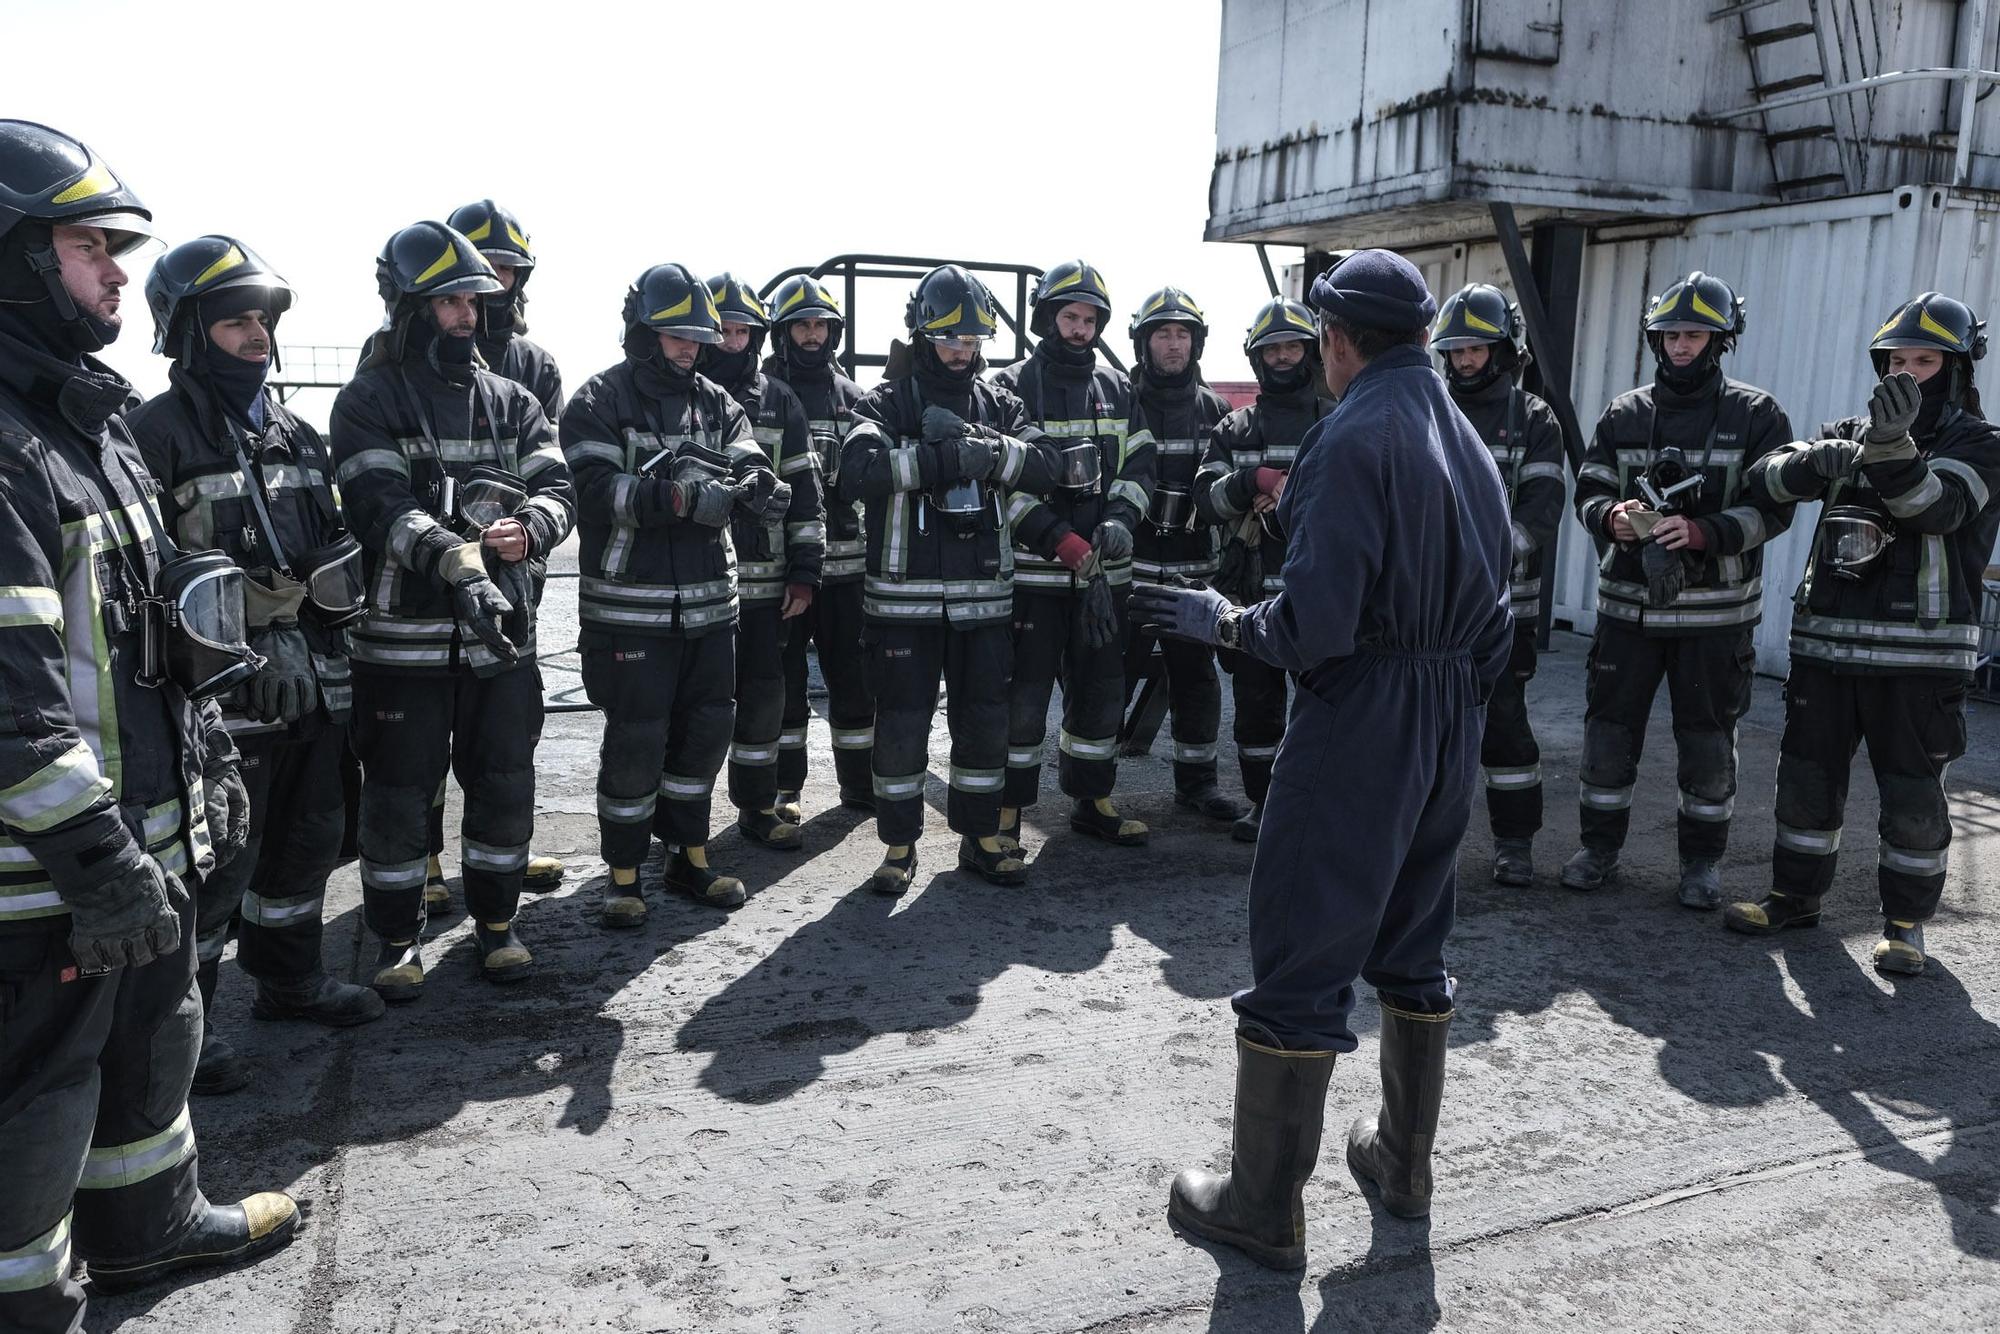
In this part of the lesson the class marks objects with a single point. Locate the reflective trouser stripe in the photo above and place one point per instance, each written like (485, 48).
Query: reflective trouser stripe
(1605, 798)
(43, 1261)
(1514, 779)
(277, 912)
(626, 810)
(128, 1164)
(894, 787)
(680, 787)
(859, 738)
(394, 875)
(489, 857)
(795, 739)
(977, 780)
(1088, 748)
(755, 756)
(1811, 842)
(1912, 861)
(1714, 812)
(1024, 757)
(1186, 754)
(1257, 752)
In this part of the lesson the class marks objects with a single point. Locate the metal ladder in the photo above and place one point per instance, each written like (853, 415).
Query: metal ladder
(1811, 150)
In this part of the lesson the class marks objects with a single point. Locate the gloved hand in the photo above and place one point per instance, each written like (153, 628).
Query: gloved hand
(1665, 574)
(485, 609)
(1833, 460)
(1072, 551)
(516, 582)
(1187, 613)
(976, 458)
(1892, 409)
(705, 501)
(942, 425)
(1112, 541)
(128, 920)
(1100, 613)
(776, 503)
(285, 689)
(226, 803)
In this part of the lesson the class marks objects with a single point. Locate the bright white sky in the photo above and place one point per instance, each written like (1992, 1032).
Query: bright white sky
(745, 136)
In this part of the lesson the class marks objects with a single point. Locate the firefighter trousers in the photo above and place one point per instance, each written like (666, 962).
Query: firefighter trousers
(1356, 870)
(1194, 693)
(275, 889)
(1708, 682)
(668, 713)
(1049, 645)
(833, 623)
(761, 634)
(1509, 754)
(409, 731)
(904, 663)
(1914, 726)
(98, 1151)
(1258, 691)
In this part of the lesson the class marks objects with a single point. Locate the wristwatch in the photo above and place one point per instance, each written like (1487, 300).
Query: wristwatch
(1229, 629)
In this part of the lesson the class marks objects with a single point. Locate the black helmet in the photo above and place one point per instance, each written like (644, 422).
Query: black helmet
(1282, 321)
(1480, 315)
(498, 234)
(950, 303)
(667, 298)
(804, 297)
(1934, 320)
(429, 259)
(199, 268)
(1698, 301)
(736, 302)
(1073, 280)
(1169, 305)
(46, 176)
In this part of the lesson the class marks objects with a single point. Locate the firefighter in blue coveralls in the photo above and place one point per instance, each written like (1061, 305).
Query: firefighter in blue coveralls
(1394, 619)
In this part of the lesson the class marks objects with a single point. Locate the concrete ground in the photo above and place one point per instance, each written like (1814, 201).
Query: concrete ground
(961, 1110)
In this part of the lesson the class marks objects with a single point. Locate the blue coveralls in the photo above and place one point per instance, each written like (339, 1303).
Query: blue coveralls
(1394, 615)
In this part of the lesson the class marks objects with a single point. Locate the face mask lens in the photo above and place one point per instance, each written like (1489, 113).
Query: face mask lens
(961, 498)
(1168, 509)
(488, 495)
(211, 609)
(334, 582)
(1854, 540)
(1079, 468)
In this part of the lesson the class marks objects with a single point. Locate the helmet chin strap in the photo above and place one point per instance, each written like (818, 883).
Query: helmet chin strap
(83, 331)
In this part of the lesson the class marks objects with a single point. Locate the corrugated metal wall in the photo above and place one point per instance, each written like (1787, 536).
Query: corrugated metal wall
(1818, 279)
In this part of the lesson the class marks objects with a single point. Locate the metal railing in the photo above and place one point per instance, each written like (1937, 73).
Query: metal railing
(312, 366)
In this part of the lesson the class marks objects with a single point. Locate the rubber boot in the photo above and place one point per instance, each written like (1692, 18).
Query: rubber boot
(1392, 1149)
(1246, 829)
(399, 971)
(1514, 862)
(1590, 869)
(318, 998)
(543, 873)
(1771, 914)
(502, 956)
(219, 1069)
(768, 829)
(895, 875)
(789, 809)
(224, 1234)
(687, 876)
(1901, 949)
(1208, 797)
(437, 894)
(1257, 1206)
(1701, 884)
(1091, 817)
(1000, 867)
(623, 905)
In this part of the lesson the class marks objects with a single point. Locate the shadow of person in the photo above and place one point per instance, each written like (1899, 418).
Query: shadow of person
(1392, 1287)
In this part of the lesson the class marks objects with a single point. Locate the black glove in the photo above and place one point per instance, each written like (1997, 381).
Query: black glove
(705, 501)
(1666, 573)
(753, 491)
(1100, 613)
(1112, 541)
(285, 689)
(128, 920)
(1892, 410)
(942, 425)
(976, 458)
(226, 804)
(516, 582)
(777, 503)
(485, 609)
(1833, 460)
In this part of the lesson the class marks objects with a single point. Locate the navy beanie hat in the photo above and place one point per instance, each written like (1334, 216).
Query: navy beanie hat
(1375, 289)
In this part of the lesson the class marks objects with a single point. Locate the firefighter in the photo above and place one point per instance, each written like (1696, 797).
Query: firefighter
(114, 786)
(1480, 335)
(1394, 617)
(1073, 559)
(1885, 635)
(664, 462)
(1249, 453)
(239, 473)
(1173, 405)
(504, 346)
(452, 484)
(935, 454)
(1680, 587)
(807, 326)
(777, 563)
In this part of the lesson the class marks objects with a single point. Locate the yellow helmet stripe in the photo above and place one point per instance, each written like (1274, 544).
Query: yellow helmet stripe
(1068, 282)
(481, 232)
(944, 321)
(439, 265)
(1473, 321)
(514, 235)
(232, 258)
(96, 181)
(1703, 308)
(1931, 326)
(682, 307)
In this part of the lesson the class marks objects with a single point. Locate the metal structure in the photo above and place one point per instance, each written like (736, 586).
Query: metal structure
(312, 366)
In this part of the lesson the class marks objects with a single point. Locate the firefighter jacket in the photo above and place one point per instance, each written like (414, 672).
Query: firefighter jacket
(790, 550)
(1077, 407)
(1525, 439)
(1915, 608)
(1267, 434)
(829, 398)
(1179, 420)
(94, 767)
(924, 566)
(400, 428)
(195, 450)
(1721, 429)
(529, 365)
(628, 433)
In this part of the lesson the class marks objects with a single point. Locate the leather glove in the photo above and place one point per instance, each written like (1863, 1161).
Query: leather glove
(776, 503)
(942, 425)
(485, 609)
(285, 689)
(753, 491)
(128, 920)
(226, 803)
(1112, 541)
(1665, 574)
(976, 457)
(1833, 460)
(1186, 613)
(705, 501)
(516, 582)
(1100, 613)
(1893, 408)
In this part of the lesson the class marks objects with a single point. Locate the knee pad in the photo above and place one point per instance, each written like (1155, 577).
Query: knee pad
(1608, 760)
(1915, 814)
(395, 822)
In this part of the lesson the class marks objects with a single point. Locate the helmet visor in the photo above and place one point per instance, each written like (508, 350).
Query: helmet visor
(963, 342)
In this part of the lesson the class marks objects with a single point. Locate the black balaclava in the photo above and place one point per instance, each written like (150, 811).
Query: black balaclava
(657, 375)
(450, 356)
(1938, 396)
(238, 383)
(1289, 381)
(1692, 377)
(1158, 379)
(800, 364)
(1057, 349)
(936, 377)
(1501, 361)
(731, 369)
(37, 298)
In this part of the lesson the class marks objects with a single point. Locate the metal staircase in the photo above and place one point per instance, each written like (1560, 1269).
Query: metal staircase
(1812, 153)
